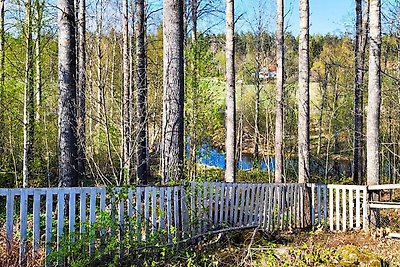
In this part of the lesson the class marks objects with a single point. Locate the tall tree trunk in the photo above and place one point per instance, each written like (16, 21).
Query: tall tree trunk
(374, 93)
(67, 142)
(126, 102)
(29, 110)
(361, 33)
(81, 92)
(2, 68)
(39, 5)
(230, 112)
(304, 97)
(173, 92)
(280, 80)
(143, 163)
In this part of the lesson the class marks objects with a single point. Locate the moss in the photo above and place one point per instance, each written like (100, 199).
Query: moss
(350, 255)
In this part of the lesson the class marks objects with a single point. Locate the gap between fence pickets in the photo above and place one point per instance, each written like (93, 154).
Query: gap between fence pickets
(231, 206)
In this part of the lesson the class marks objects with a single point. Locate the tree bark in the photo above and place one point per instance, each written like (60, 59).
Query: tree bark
(67, 142)
(38, 50)
(280, 76)
(29, 107)
(304, 98)
(81, 92)
(143, 162)
(374, 93)
(126, 102)
(173, 92)
(2, 68)
(361, 33)
(230, 113)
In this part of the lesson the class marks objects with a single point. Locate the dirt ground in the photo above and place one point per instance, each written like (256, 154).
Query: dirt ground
(386, 248)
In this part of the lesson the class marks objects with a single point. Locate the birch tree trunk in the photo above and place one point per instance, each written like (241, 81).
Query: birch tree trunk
(126, 102)
(173, 92)
(143, 162)
(279, 93)
(230, 112)
(39, 6)
(304, 97)
(29, 107)
(361, 33)
(81, 92)
(374, 93)
(2, 68)
(67, 137)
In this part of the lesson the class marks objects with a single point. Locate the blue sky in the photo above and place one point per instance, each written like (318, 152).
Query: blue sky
(326, 16)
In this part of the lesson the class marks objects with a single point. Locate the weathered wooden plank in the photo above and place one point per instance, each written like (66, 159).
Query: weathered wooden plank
(82, 210)
(169, 213)
(193, 217)
(319, 203)
(139, 191)
(344, 204)
(242, 204)
(49, 221)
(351, 211)
(252, 204)
(358, 224)
(247, 205)
(185, 221)
(162, 208)
(176, 212)
(60, 217)
(23, 216)
(199, 209)
(260, 211)
(92, 215)
(154, 210)
(222, 201)
(227, 201)
(365, 209)
(331, 208)
(337, 209)
(71, 214)
(302, 192)
(146, 211)
(312, 205)
(36, 222)
(206, 206)
(325, 205)
(271, 203)
(256, 205)
(9, 218)
(236, 205)
(102, 209)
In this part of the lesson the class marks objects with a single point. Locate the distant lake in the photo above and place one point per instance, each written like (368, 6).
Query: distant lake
(211, 156)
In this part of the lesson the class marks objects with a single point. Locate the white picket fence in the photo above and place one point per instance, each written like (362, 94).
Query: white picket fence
(339, 207)
(182, 212)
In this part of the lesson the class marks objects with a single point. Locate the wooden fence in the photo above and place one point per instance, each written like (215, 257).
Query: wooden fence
(43, 216)
(339, 207)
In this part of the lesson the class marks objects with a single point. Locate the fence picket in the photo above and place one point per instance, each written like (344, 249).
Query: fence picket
(36, 222)
(139, 213)
(344, 203)
(351, 216)
(331, 208)
(153, 210)
(169, 214)
(337, 208)
(49, 217)
(176, 212)
(9, 218)
(358, 208)
(23, 226)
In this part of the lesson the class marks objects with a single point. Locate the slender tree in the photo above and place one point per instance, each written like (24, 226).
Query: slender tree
(304, 97)
(126, 102)
(230, 112)
(279, 93)
(143, 163)
(173, 92)
(29, 107)
(81, 90)
(2, 67)
(39, 6)
(361, 33)
(374, 93)
(67, 142)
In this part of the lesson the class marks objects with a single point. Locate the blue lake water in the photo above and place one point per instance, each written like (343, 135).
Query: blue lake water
(211, 156)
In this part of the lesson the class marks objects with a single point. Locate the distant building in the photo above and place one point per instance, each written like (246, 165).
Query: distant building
(268, 72)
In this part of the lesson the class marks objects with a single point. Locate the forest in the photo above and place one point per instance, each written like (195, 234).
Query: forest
(199, 133)
(135, 92)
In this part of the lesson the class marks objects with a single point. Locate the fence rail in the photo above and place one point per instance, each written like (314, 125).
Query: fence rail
(43, 216)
